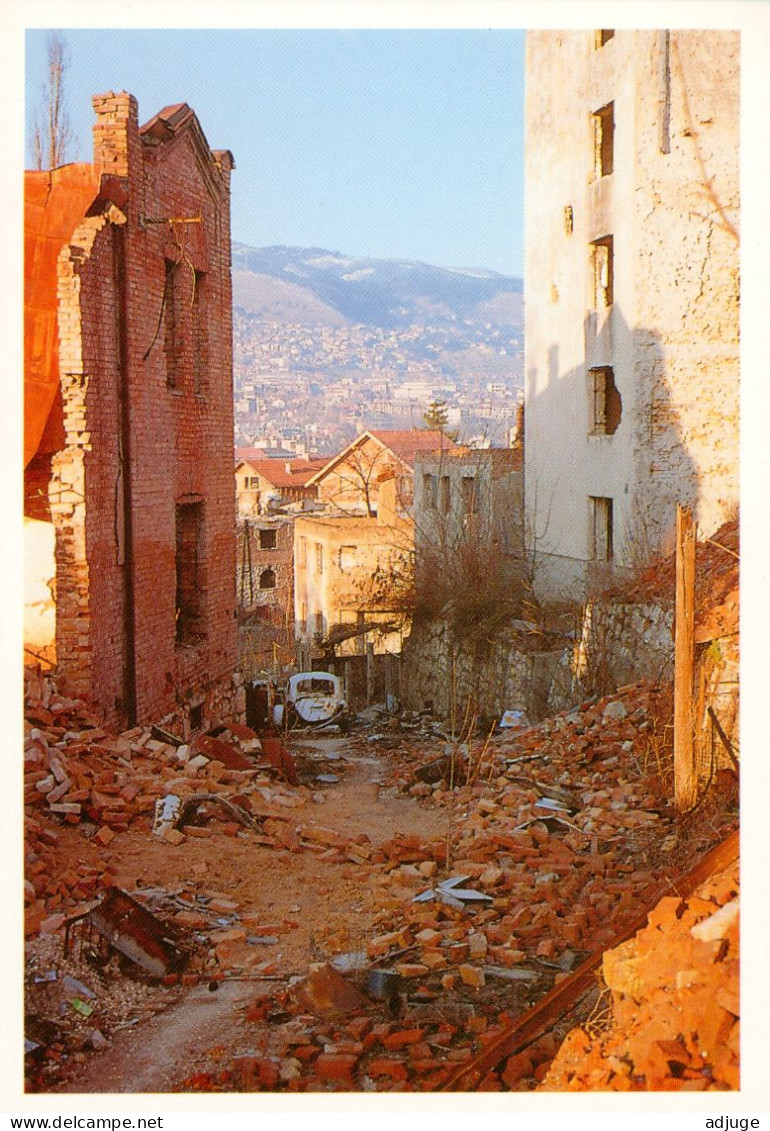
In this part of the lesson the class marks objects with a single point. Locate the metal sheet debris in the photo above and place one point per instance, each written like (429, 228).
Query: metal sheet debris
(448, 892)
(119, 923)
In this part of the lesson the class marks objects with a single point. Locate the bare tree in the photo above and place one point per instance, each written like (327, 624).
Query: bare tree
(52, 135)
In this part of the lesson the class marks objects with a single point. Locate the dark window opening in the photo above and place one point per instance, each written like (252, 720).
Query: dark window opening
(603, 268)
(606, 405)
(468, 488)
(196, 716)
(267, 579)
(171, 340)
(200, 333)
(190, 584)
(445, 494)
(268, 539)
(602, 36)
(602, 549)
(604, 140)
(429, 490)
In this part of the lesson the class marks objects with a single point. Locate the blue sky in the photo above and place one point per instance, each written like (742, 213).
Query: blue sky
(392, 143)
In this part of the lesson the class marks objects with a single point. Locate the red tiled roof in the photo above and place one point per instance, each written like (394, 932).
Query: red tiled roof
(284, 473)
(405, 443)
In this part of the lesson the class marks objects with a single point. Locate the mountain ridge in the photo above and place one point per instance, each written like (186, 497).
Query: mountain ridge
(390, 293)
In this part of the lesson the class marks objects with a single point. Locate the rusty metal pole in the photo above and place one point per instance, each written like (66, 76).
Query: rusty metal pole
(685, 776)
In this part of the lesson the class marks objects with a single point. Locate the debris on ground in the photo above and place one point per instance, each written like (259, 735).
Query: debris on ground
(513, 860)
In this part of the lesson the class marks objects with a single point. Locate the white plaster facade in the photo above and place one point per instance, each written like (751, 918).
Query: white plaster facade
(632, 137)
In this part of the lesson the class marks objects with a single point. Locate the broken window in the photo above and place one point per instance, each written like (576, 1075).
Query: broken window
(268, 539)
(469, 494)
(190, 588)
(200, 333)
(171, 327)
(601, 519)
(606, 405)
(604, 140)
(445, 494)
(267, 579)
(319, 625)
(603, 272)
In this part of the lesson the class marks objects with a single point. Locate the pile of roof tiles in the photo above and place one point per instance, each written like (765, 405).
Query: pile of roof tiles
(674, 1007)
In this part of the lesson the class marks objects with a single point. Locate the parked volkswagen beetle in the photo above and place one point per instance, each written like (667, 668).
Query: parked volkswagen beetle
(312, 699)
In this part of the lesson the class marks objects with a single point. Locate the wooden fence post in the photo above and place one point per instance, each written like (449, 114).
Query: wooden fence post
(685, 775)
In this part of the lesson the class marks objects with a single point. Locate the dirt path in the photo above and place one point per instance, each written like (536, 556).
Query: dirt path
(331, 912)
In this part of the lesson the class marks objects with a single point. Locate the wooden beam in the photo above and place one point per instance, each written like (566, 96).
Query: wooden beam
(685, 774)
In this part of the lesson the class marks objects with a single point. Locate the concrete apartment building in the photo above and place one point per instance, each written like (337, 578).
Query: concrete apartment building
(129, 499)
(632, 295)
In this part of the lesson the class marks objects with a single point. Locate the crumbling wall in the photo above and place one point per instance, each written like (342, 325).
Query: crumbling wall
(452, 681)
(616, 644)
(139, 447)
(658, 309)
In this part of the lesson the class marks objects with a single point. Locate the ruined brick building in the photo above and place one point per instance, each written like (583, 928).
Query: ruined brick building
(632, 294)
(129, 497)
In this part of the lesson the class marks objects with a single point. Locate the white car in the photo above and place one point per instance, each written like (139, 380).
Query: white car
(312, 699)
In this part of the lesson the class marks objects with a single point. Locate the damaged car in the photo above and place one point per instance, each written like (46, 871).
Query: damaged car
(312, 699)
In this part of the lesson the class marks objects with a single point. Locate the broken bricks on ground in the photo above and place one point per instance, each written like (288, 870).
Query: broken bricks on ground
(557, 835)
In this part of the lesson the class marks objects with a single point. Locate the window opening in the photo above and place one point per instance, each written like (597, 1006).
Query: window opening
(602, 36)
(445, 494)
(606, 405)
(347, 557)
(602, 256)
(604, 140)
(429, 490)
(267, 579)
(171, 342)
(189, 573)
(469, 494)
(268, 539)
(200, 332)
(602, 549)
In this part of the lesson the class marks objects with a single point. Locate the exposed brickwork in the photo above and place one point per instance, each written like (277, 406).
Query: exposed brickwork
(136, 448)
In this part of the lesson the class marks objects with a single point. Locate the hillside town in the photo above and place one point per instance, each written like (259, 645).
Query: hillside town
(309, 389)
(382, 729)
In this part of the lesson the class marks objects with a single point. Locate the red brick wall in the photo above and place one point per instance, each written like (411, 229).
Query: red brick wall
(179, 440)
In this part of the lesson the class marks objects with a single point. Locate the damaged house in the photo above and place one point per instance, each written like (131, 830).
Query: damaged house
(128, 412)
(632, 296)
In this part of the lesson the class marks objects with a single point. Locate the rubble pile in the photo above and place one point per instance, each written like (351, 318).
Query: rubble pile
(76, 773)
(672, 1021)
(551, 839)
(558, 837)
(71, 1011)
